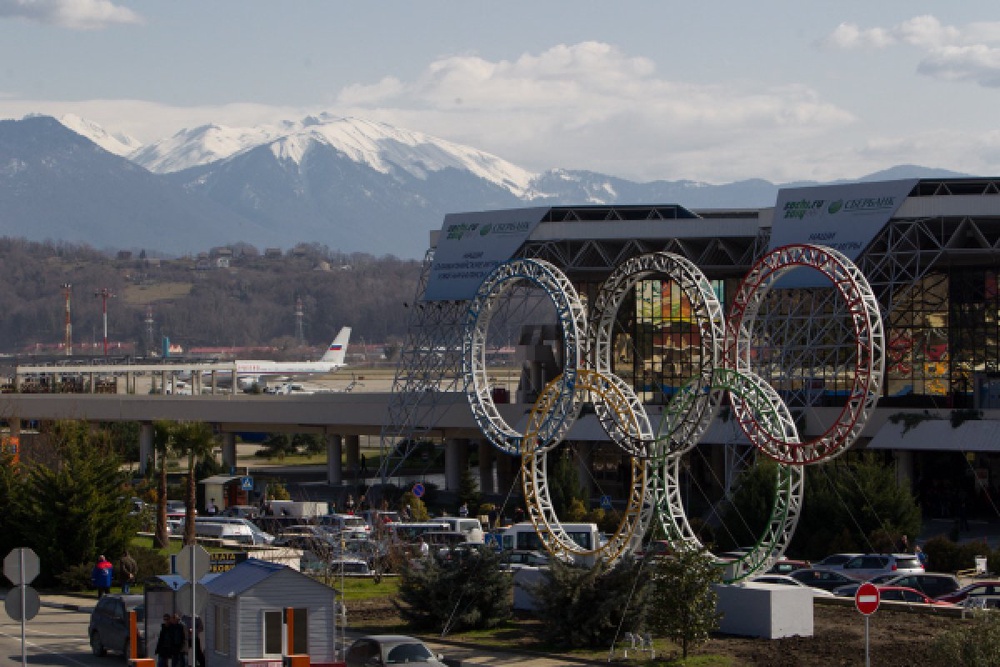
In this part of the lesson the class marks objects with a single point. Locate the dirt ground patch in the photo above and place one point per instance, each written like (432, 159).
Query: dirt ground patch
(898, 638)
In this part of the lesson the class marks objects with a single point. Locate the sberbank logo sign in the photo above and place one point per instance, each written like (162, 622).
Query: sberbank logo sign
(456, 232)
(504, 228)
(835, 207)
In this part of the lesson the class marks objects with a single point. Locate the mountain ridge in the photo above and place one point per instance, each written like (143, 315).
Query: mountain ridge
(352, 184)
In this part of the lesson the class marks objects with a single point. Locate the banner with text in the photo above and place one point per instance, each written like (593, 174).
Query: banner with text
(843, 217)
(471, 245)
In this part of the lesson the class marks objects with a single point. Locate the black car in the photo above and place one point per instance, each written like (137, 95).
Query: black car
(109, 630)
(821, 578)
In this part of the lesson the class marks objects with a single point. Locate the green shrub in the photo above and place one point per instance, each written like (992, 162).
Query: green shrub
(972, 645)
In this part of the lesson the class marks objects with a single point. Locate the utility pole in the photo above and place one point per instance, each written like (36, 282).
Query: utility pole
(300, 335)
(67, 290)
(105, 294)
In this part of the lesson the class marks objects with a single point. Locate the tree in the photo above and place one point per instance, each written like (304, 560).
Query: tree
(564, 482)
(468, 492)
(196, 441)
(76, 509)
(586, 606)
(162, 441)
(687, 580)
(852, 504)
(460, 589)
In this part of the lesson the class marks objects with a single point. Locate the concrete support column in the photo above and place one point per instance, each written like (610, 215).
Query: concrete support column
(456, 461)
(334, 459)
(146, 453)
(353, 445)
(508, 468)
(583, 455)
(904, 468)
(486, 457)
(228, 450)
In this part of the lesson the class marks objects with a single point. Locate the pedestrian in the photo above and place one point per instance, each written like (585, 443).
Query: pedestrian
(350, 504)
(904, 545)
(364, 465)
(211, 509)
(130, 569)
(921, 555)
(518, 515)
(178, 635)
(463, 511)
(102, 575)
(425, 549)
(166, 649)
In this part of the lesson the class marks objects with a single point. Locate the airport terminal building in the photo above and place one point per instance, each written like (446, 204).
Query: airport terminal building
(929, 248)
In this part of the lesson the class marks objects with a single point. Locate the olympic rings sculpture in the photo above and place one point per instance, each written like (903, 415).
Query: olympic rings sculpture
(724, 365)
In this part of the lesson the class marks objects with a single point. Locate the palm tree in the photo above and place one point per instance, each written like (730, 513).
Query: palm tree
(196, 440)
(162, 441)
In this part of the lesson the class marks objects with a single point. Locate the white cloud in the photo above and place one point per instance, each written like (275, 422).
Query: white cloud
(74, 14)
(590, 106)
(950, 53)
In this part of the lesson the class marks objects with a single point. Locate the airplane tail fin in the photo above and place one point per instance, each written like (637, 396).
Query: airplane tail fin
(338, 348)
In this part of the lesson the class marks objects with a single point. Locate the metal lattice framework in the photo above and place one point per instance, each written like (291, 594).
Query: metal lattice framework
(570, 313)
(636, 517)
(762, 414)
(869, 365)
(692, 410)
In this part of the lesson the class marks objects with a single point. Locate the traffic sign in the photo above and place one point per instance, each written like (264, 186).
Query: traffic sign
(867, 598)
(18, 611)
(418, 490)
(184, 601)
(193, 562)
(21, 566)
(605, 502)
(246, 483)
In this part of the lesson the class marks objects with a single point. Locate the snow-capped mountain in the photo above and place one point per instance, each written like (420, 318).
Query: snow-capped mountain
(351, 184)
(118, 144)
(383, 148)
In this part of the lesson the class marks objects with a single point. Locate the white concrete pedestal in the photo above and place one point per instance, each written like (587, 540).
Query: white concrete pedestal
(770, 611)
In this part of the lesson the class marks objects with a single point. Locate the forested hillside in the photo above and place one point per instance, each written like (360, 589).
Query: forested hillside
(198, 301)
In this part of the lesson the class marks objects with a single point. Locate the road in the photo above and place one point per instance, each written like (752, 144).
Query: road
(54, 637)
(57, 637)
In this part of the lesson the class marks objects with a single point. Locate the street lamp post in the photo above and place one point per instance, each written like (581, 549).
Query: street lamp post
(105, 294)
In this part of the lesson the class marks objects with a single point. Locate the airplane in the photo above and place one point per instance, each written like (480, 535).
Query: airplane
(250, 372)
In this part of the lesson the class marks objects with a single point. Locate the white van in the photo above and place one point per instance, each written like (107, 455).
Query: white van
(223, 531)
(471, 528)
(524, 537)
(411, 532)
(247, 530)
(341, 523)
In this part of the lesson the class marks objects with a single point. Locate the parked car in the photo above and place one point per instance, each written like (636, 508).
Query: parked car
(904, 594)
(980, 602)
(391, 650)
(976, 588)
(251, 512)
(866, 566)
(821, 578)
(932, 584)
(788, 565)
(108, 629)
(785, 580)
(835, 561)
(848, 590)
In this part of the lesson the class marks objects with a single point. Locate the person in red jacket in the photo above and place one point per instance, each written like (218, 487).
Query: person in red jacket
(102, 575)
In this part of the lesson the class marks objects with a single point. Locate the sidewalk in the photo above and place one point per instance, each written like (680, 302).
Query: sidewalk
(465, 652)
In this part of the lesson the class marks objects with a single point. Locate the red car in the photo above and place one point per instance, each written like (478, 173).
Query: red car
(912, 595)
(985, 587)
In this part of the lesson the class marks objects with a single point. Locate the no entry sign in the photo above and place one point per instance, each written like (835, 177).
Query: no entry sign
(867, 598)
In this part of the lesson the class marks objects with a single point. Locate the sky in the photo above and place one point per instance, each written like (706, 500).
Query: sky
(714, 91)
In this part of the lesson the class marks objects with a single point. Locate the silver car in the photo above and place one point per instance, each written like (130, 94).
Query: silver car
(866, 566)
(391, 650)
